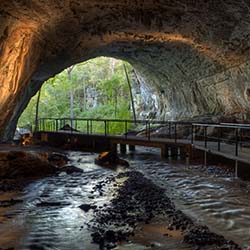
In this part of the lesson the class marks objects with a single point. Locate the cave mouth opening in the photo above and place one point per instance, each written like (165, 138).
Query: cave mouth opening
(100, 88)
(192, 67)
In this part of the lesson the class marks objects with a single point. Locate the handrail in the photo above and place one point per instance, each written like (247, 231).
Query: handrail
(222, 125)
(55, 124)
(243, 125)
(235, 138)
(159, 122)
(118, 120)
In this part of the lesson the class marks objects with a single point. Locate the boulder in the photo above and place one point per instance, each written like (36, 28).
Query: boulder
(110, 159)
(15, 164)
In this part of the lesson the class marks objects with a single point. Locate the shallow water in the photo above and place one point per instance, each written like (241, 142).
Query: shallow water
(208, 195)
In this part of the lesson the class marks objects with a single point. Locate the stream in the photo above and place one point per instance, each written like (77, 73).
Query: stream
(48, 216)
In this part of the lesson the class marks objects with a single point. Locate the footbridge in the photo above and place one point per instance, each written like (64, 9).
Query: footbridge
(224, 143)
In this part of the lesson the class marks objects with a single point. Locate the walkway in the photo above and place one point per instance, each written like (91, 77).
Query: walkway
(231, 141)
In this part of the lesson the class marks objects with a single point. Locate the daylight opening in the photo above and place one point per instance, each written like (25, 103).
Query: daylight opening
(101, 88)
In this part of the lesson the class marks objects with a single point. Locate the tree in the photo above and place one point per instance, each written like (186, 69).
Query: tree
(130, 92)
(37, 109)
(71, 94)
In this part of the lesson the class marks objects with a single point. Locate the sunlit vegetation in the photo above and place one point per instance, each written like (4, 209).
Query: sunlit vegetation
(97, 88)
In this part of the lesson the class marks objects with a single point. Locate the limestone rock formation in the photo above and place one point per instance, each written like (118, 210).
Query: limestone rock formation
(193, 55)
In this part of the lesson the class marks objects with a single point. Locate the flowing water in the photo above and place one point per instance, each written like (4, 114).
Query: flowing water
(206, 194)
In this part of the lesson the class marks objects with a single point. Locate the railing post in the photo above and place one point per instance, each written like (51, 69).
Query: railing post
(241, 137)
(39, 125)
(169, 130)
(43, 124)
(236, 142)
(105, 124)
(175, 132)
(219, 137)
(192, 134)
(149, 130)
(56, 125)
(126, 129)
(205, 136)
(71, 126)
(88, 127)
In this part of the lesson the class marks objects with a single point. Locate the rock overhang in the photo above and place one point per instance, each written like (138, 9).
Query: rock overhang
(195, 52)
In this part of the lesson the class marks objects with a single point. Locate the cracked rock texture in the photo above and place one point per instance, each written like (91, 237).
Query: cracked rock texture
(191, 56)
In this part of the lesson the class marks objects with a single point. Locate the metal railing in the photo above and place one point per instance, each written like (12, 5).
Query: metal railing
(204, 134)
(143, 128)
(236, 135)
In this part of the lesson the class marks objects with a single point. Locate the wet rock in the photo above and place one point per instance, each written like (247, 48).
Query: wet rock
(139, 200)
(16, 164)
(7, 185)
(58, 159)
(97, 238)
(19, 167)
(110, 159)
(87, 207)
(201, 236)
(9, 203)
(51, 204)
(71, 169)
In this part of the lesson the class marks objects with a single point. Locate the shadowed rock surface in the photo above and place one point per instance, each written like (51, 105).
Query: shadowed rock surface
(192, 57)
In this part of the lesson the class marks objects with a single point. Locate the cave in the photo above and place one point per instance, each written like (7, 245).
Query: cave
(195, 54)
(194, 57)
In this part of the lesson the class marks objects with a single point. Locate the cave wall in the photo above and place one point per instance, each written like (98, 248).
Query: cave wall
(193, 55)
(225, 94)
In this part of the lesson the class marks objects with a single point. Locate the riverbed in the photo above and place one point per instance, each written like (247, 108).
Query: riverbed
(48, 214)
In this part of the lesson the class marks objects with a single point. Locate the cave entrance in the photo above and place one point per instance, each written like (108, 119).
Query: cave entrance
(100, 88)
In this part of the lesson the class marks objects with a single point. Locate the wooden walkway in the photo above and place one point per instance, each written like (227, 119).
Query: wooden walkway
(212, 142)
(99, 142)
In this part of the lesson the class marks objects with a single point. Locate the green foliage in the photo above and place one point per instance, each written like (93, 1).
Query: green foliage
(103, 77)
